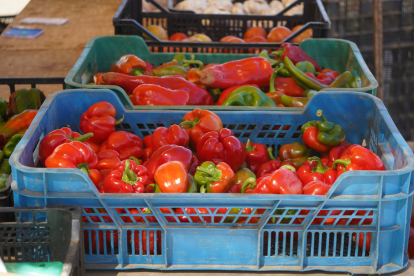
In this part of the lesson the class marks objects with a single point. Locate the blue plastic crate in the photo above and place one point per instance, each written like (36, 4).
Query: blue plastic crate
(297, 237)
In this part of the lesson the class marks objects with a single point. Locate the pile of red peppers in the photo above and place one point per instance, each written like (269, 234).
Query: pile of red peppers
(288, 79)
(198, 155)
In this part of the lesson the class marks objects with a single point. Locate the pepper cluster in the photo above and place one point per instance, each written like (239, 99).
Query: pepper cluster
(199, 155)
(288, 80)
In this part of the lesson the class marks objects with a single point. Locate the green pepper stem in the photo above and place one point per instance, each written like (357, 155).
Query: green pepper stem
(270, 153)
(192, 61)
(128, 176)
(319, 166)
(81, 138)
(319, 113)
(84, 167)
(289, 167)
(249, 181)
(249, 146)
(342, 162)
(133, 158)
(192, 123)
(119, 121)
(215, 174)
(203, 189)
(278, 53)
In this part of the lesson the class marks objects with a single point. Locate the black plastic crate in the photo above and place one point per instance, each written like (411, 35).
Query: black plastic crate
(398, 86)
(352, 20)
(44, 235)
(129, 19)
(33, 81)
(6, 200)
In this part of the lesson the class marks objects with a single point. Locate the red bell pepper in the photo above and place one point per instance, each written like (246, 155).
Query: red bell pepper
(148, 148)
(95, 176)
(294, 153)
(285, 181)
(269, 166)
(225, 94)
(129, 65)
(288, 86)
(198, 122)
(99, 119)
(174, 135)
(358, 158)
(259, 186)
(198, 95)
(107, 160)
(221, 147)
(195, 162)
(256, 155)
(295, 54)
(171, 177)
(315, 187)
(151, 94)
(213, 178)
(127, 177)
(18, 124)
(125, 143)
(94, 146)
(97, 79)
(254, 70)
(335, 153)
(327, 76)
(57, 137)
(166, 154)
(72, 155)
(317, 171)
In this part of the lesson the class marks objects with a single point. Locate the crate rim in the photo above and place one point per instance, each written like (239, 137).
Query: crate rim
(69, 79)
(406, 150)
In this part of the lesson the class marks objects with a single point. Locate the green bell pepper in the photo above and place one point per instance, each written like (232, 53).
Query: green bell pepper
(329, 134)
(11, 145)
(3, 180)
(191, 184)
(293, 101)
(248, 96)
(5, 167)
(171, 70)
(23, 99)
(305, 66)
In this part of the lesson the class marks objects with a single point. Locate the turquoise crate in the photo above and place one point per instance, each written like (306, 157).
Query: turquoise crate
(360, 203)
(101, 52)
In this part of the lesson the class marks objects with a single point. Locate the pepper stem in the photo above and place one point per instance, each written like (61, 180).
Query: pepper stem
(249, 181)
(289, 167)
(215, 174)
(192, 61)
(272, 88)
(192, 123)
(81, 138)
(249, 146)
(320, 115)
(84, 167)
(342, 162)
(133, 158)
(203, 189)
(119, 121)
(128, 176)
(270, 153)
(319, 166)
(278, 53)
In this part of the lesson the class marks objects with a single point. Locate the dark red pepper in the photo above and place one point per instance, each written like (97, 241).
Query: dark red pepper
(295, 54)
(269, 166)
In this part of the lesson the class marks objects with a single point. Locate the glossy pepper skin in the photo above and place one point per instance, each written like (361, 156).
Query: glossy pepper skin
(172, 177)
(317, 171)
(100, 120)
(198, 122)
(296, 54)
(220, 147)
(285, 181)
(129, 65)
(166, 154)
(107, 160)
(327, 76)
(125, 143)
(18, 123)
(288, 86)
(270, 166)
(198, 95)
(322, 135)
(358, 158)
(307, 82)
(305, 66)
(97, 79)
(248, 96)
(256, 155)
(11, 145)
(213, 178)
(56, 138)
(336, 153)
(315, 187)
(151, 94)
(288, 101)
(254, 70)
(295, 153)
(72, 155)
(241, 176)
(22, 100)
(127, 177)
(225, 94)
(259, 186)
(174, 135)
(173, 70)
(148, 148)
